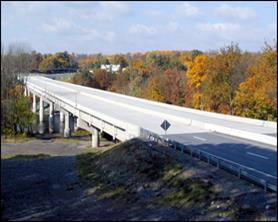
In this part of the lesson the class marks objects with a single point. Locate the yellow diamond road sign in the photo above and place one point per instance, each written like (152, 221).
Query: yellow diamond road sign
(165, 125)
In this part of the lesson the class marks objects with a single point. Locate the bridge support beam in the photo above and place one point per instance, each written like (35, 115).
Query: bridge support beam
(67, 131)
(41, 125)
(51, 117)
(95, 137)
(34, 103)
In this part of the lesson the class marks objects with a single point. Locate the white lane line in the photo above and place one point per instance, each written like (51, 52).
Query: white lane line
(257, 155)
(199, 138)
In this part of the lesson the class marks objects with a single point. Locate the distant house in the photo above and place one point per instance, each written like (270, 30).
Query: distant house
(111, 67)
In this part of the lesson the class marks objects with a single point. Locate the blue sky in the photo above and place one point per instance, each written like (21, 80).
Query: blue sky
(121, 27)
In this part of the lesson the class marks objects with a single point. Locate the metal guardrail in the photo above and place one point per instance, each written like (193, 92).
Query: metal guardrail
(252, 175)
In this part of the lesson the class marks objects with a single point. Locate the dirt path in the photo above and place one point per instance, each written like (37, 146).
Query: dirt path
(32, 189)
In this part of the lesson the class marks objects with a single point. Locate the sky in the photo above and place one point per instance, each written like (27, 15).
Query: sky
(121, 27)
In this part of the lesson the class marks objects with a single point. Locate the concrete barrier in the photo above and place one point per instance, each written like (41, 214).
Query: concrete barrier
(242, 134)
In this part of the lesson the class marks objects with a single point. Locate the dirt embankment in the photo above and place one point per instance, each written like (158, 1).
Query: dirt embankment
(64, 180)
(160, 184)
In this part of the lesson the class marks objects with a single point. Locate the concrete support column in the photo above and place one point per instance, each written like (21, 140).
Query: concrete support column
(95, 137)
(25, 91)
(41, 125)
(51, 117)
(71, 123)
(34, 103)
(28, 93)
(62, 119)
(75, 124)
(67, 125)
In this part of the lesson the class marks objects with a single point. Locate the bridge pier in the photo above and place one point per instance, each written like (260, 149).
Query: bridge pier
(71, 122)
(62, 119)
(34, 103)
(25, 91)
(51, 117)
(41, 113)
(67, 131)
(95, 137)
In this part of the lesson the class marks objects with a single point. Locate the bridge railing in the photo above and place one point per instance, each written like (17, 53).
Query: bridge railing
(241, 171)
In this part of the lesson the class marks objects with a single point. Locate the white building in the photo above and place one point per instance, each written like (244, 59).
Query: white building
(111, 67)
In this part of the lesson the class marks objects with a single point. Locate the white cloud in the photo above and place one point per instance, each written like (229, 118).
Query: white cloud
(138, 28)
(58, 25)
(187, 9)
(64, 27)
(99, 11)
(242, 13)
(219, 27)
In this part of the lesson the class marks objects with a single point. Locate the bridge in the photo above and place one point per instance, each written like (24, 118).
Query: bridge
(248, 143)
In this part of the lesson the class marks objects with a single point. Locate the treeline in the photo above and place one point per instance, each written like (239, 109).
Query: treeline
(53, 63)
(227, 81)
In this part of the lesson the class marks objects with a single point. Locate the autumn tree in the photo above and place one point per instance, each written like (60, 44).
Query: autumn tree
(102, 78)
(15, 109)
(153, 92)
(225, 71)
(256, 97)
(196, 75)
(60, 60)
(36, 60)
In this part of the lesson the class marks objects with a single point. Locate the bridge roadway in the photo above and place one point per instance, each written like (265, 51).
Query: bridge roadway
(149, 115)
